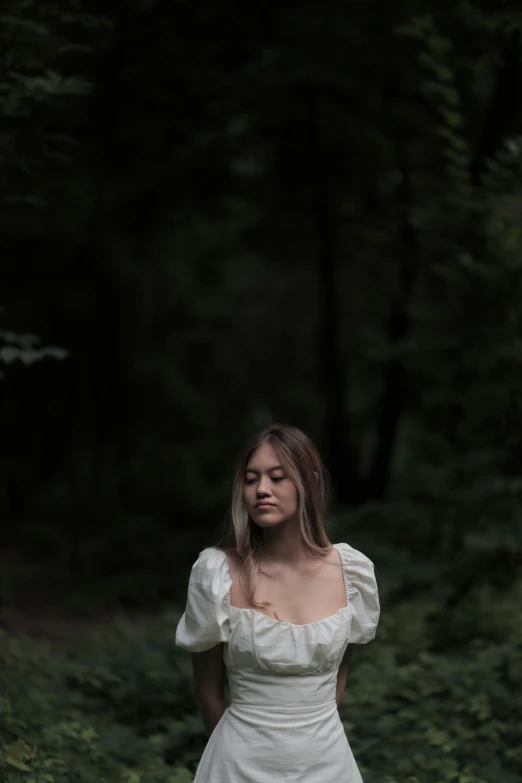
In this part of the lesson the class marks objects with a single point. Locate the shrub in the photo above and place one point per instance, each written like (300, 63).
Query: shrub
(117, 706)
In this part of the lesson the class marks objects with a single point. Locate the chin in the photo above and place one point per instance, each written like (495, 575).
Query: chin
(265, 521)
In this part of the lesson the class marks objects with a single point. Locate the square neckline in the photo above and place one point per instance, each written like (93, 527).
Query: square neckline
(249, 610)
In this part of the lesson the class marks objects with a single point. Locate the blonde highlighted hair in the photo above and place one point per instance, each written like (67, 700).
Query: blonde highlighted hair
(302, 464)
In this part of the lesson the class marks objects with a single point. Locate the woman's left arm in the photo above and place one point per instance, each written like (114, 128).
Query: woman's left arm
(342, 674)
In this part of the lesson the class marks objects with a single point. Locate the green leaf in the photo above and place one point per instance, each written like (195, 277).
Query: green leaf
(453, 118)
(439, 44)
(444, 73)
(27, 24)
(450, 94)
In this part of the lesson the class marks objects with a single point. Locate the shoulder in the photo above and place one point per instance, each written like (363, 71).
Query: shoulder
(211, 555)
(362, 591)
(210, 563)
(204, 623)
(358, 569)
(351, 557)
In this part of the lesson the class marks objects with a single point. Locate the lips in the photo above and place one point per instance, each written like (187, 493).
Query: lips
(263, 505)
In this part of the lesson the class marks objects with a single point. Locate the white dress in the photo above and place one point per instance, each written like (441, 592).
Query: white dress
(282, 725)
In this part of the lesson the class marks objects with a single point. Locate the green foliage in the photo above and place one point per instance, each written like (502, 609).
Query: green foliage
(109, 711)
(417, 716)
(26, 348)
(36, 39)
(174, 183)
(118, 705)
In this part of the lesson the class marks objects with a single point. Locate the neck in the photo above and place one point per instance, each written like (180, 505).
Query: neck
(283, 544)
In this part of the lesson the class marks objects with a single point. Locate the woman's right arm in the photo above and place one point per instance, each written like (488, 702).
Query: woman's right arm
(209, 680)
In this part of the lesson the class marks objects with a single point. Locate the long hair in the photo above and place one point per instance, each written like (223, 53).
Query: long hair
(302, 464)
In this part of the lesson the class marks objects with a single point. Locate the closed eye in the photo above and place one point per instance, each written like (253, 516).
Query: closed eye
(276, 479)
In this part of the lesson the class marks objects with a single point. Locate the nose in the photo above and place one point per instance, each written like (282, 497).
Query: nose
(262, 487)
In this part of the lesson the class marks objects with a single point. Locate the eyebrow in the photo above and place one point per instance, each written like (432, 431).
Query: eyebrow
(251, 470)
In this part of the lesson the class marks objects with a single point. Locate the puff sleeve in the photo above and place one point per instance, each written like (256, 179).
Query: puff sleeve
(362, 592)
(205, 622)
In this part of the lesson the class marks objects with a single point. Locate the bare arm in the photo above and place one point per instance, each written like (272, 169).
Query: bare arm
(343, 673)
(209, 681)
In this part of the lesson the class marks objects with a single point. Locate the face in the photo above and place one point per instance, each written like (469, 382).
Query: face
(270, 496)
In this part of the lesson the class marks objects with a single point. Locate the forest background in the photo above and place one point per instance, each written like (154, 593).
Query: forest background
(214, 217)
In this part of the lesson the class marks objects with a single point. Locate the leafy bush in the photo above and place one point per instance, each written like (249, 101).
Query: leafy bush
(432, 717)
(118, 705)
(108, 710)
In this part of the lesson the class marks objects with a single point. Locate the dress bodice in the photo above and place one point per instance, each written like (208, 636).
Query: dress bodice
(253, 641)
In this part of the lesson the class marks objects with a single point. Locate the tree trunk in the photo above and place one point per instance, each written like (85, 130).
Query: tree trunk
(392, 401)
(339, 450)
(504, 114)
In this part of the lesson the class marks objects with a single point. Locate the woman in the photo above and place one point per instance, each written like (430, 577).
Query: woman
(279, 609)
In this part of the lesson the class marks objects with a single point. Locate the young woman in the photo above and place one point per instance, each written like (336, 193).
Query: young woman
(279, 609)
